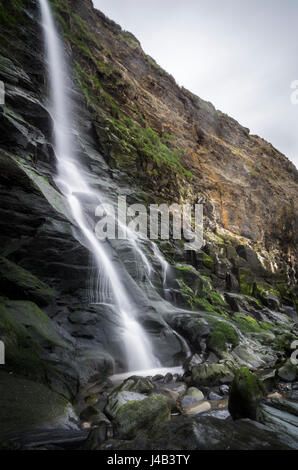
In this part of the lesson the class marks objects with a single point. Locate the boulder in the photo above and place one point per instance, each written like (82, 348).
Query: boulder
(204, 432)
(27, 406)
(288, 372)
(195, 393)
(281, 416)
(245, 394)
(117, 399)
(97, 436)
(137, 384)
(211, 374)
(141, 415)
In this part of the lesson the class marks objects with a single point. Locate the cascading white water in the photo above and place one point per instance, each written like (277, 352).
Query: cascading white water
(137, 345)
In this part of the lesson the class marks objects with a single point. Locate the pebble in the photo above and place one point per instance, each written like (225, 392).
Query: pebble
(274, 395)
(214, 396)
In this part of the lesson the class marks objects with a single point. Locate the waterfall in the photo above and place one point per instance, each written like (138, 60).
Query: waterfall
(137, 346)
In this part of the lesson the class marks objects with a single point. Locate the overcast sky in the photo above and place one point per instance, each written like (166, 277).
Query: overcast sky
(242, 55)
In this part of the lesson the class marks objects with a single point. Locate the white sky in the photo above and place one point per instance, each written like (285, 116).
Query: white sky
(241, 55)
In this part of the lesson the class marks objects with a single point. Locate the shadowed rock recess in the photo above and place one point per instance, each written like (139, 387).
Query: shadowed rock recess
(226, 314)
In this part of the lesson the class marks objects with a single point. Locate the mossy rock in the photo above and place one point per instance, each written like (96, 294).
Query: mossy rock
(283, 343)
(208, 262)
(37, 321)
(248, 324)
(17, 282)
(222, 336)
(26, 405)
(246, 281)
(211, 375)
(245, 394)
(263, 289)
(117, 400)
(141, 416)
(288, 372)
(137, 384)
(25, 329)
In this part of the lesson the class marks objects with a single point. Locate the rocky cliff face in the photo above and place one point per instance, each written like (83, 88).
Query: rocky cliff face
(140, 134)
(178, 147)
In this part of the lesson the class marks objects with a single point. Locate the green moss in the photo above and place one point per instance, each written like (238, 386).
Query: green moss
(11, 12)
(29, 315)
(135, 416)
(129, 38)
(134, 141)
(266, 325)
(216, 298)
(246, 392)
(247, 324)
(146, 141)
(283, 342)
(204, 304)
(22, 352)
(15, 278)
(246, 281)
(184, 267)
(208, 261)
(221, 336)
(26, 405)
(263, 290)
(157, 67)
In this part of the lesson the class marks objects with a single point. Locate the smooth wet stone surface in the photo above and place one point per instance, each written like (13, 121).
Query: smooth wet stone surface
(204, 433)
(26, 406)
(214, 396)
(197, 408)
(280, 415)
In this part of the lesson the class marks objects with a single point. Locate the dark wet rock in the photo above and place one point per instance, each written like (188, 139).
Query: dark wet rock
(98, 435)
(245, 394)
(26, 406)
(272, 301)
(158, 378)
(288, 372)
(281, 416)
(224, 390)
(193, 361)
(194, 329)
(135, 416)
(137, 384)
(19, 283)
(290, 312)
(89, 414)
(205, 433)
(241, 303)
(268, 378)
(168, 378)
